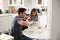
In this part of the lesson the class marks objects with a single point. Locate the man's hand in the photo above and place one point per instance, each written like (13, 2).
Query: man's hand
(31, 22)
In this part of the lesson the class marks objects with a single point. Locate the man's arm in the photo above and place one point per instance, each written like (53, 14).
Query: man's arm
(23, 23)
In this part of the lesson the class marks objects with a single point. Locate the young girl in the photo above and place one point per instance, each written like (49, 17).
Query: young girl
(33, 16)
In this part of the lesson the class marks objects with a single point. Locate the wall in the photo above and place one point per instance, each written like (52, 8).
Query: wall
(50, 16)
(53, 18)
(55, 31)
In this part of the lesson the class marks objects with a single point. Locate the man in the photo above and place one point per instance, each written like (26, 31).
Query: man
(18, 24)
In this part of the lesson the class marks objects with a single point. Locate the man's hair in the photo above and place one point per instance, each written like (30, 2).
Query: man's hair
(21, 10)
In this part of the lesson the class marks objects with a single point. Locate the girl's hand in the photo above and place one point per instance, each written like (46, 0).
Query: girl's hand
(29, 19)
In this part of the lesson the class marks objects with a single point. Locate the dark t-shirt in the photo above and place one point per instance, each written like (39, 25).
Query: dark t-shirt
(16, 28)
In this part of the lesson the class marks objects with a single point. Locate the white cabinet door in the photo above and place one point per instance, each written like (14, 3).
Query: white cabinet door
(15, 2)
(1, 4)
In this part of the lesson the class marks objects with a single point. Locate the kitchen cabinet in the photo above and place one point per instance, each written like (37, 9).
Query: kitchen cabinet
(1, 4)
(28, 4)
(6, 22)
(15, 2)
(44, 2)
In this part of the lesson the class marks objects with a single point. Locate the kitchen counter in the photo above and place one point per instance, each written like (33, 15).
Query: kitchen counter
(6, 22)
(7, 14)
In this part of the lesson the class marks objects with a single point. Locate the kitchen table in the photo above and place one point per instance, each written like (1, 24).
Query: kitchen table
(42, 34)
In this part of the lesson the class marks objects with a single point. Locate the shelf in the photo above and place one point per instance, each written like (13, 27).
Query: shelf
(12, 5)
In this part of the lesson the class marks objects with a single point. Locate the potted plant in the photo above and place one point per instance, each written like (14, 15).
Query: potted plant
(0, 11)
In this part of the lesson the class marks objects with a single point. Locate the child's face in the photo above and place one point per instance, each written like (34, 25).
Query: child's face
(33, 13)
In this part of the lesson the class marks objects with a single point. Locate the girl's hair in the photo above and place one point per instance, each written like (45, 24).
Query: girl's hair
(34, 10)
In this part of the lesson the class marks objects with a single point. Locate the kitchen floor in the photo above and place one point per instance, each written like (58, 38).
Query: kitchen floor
(41, 39)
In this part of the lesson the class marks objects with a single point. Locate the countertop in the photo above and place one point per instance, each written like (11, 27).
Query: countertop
(7, 14)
